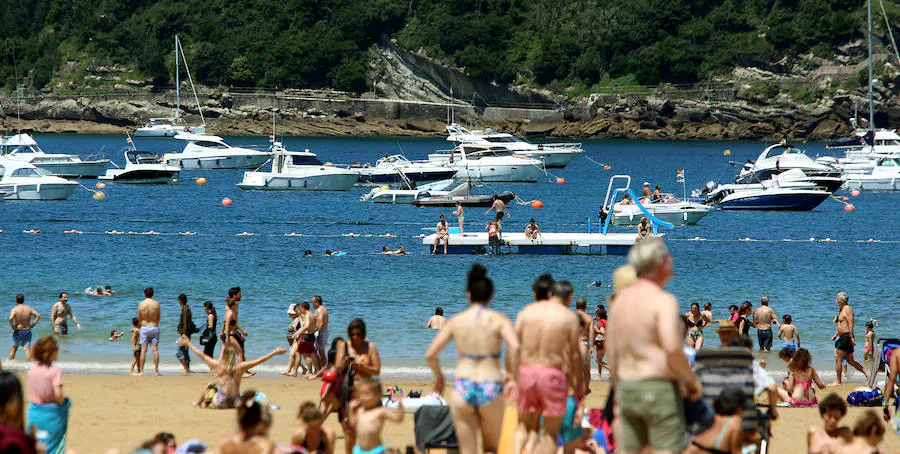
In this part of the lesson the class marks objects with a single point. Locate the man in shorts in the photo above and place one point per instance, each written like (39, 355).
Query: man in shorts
(321, 318)
(646, 355)
(844, 338)
(20, 320)
(60, 313)
(763, 317)
(148, 313)
(548, 331)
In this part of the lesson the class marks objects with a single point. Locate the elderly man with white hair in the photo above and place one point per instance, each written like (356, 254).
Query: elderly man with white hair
(646, 356)
(844, 337)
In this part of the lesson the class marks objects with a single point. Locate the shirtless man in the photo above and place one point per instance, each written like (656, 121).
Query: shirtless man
(305, 339)
(646, 356)
(437, 320)
(844, 339)
(441, 232)
(585, 339)
(321, 318)
(60, 314)
(764, 316)
(21, 323)
(548, 332)
(499, 207)
(532, 231)
(148, 313)
(646, 191)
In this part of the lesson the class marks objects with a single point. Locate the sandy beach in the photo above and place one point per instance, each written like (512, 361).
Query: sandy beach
(120, 412)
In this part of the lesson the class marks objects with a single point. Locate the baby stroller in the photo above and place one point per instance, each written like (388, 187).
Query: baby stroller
(883, 360)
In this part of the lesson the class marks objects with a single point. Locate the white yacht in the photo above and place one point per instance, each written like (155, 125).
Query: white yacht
(551, 154)
(488, 163)
(397, 169)
(206, 152)
(670, 209)
(141, 167)
(23, 147)
(299, 171)
(20, 180)
(783, 157)
(884, 175)
(409, 196)
(170, 126)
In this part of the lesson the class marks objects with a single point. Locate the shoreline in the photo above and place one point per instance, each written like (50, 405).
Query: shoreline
(133, 409)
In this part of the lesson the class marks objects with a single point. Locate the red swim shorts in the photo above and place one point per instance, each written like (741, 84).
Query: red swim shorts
(304, 347)
(542, 390)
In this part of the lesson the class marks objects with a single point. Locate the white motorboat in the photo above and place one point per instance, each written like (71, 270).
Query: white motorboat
(884, 176)
(669, 208)
(206, 152)
(299, 171)
(397, 169)
(169, 127)
(23, 147)
(784, 157)
(20, 180)
(409, 196)
(488, 163)
(141, 167)
(551, 154)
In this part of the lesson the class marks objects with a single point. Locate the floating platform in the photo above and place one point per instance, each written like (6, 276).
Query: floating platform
(553, 243)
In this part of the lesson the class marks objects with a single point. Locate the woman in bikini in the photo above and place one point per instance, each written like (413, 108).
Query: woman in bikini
(801, 377)
(695, 323)
(229, 371)
(357, 357)
(726, 434)
(476, 403)
(600, 339)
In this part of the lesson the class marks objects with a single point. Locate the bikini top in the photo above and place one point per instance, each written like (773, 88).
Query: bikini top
(697, 324)
(715, 449)
(319, 448)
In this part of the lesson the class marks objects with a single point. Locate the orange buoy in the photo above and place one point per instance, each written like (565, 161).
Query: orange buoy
(560, 181)
(99, 196)
(226, 202)
(845, 198)
(201, 180)
(537, 204)
(849, 207)
(855, 193)
(607, 167)
(100, 185)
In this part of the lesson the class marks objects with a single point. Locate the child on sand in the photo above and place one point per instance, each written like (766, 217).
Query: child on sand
(367, 416)
(313, 437)
(830, 437)
(787, 333)
(254, 422)
(135, 342)
(869, 353)
(801, 377)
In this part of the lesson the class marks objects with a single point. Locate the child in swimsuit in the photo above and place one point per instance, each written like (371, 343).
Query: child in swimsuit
(801, 376)
(869, 353)
(367, 416)
(135, 342)
(313, 437)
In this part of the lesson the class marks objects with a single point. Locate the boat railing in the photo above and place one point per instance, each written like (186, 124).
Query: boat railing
(559, 146)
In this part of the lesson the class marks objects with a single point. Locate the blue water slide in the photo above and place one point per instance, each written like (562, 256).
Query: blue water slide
(655, 222)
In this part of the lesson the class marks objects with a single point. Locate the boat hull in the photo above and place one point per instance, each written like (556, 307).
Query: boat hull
(523, 173)
(86, 170)
(689, 216)
(466, 201)
(551, 159)
(267, 181)
(42, 192)
(873, 184)
(228, 162)
(779, 202)
(386, 176)
(139, 176)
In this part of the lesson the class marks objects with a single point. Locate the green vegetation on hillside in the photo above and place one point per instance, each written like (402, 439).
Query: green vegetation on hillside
(324, 43)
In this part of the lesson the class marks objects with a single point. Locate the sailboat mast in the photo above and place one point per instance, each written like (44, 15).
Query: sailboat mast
(871, 101)
(177, 82)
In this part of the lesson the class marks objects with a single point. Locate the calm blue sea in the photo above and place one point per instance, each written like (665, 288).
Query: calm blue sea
(396, 295)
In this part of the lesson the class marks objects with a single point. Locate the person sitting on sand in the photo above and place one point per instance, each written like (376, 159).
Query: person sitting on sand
(254, 421)
(367, 416)
(313, 437)
(726, 434)
(229, 371)
(478, 333)
(801, 377)
(532, 231)
(829, 437)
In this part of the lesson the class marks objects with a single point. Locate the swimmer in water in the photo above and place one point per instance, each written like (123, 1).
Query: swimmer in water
(115, 335)
(307, 253)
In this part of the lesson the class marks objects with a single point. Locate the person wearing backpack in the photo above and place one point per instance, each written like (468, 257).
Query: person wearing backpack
(187, 328)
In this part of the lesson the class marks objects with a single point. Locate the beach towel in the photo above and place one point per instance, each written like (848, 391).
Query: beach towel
(51, 421)
(434, 428)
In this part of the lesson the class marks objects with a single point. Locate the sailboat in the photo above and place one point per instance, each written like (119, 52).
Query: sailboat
(169, 126)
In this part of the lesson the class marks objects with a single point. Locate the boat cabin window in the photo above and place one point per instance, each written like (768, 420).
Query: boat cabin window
(501, 139)
(208, 144)
(26, 173)
(888, 162)
(476, 153)
(21, 149)
(301, 160)
(2, 171)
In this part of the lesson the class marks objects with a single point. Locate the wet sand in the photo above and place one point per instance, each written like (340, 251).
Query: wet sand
(120, 412)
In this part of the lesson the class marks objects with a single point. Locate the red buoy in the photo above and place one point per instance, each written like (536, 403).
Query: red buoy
(226, 202)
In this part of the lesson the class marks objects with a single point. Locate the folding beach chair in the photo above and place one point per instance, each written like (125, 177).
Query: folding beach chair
(434, 428)
(883, 360)
(732, 366)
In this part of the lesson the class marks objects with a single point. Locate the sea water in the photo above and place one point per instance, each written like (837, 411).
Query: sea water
(396, 295)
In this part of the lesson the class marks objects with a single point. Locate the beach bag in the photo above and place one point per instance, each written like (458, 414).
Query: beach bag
(192, 328)
(207, 336)
(866, 397)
